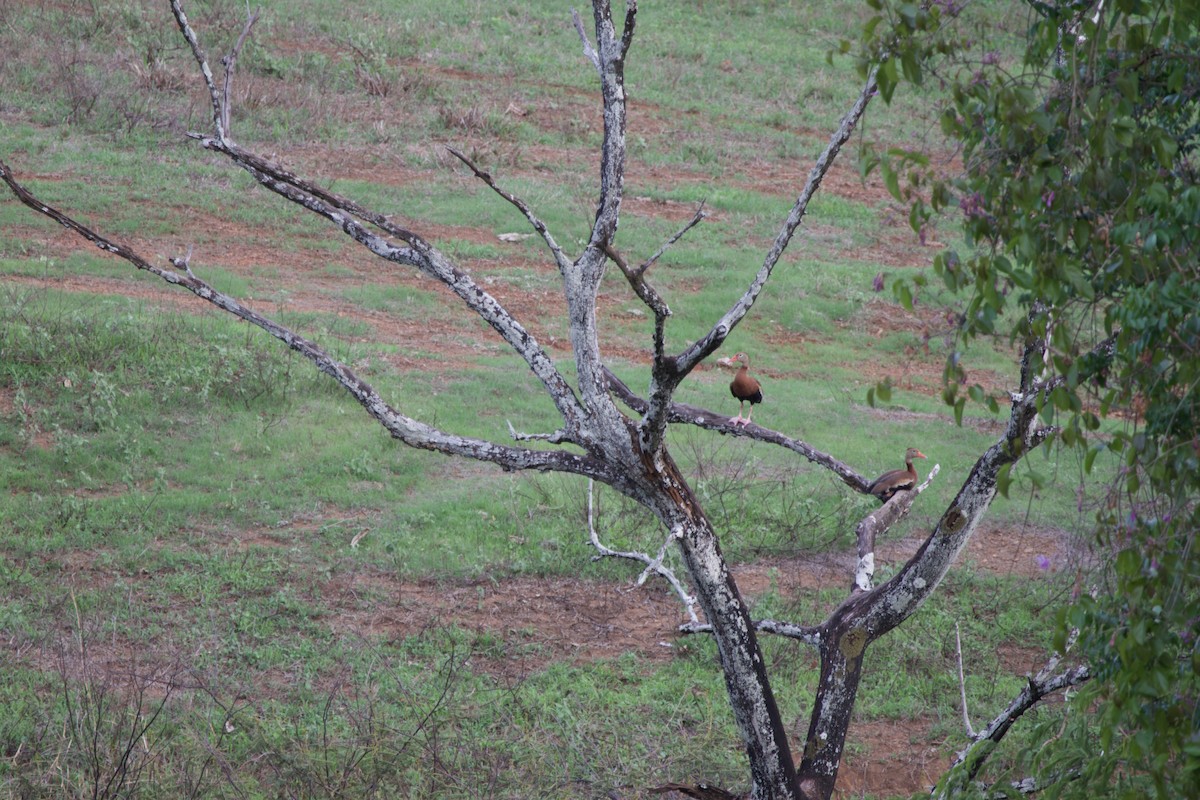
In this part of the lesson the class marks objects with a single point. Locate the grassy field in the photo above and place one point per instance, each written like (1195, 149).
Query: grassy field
(221, 579)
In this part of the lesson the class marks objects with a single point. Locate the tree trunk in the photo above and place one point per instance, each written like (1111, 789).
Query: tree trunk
(843, 646)
(754, 708)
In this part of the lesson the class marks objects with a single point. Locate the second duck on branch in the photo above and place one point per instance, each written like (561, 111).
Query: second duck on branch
(893, 481)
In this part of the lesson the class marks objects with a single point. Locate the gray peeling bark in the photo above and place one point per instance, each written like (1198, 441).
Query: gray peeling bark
(753, 703)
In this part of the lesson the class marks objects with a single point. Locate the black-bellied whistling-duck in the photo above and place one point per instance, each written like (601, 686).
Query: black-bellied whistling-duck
(744, 388)
(891, 482)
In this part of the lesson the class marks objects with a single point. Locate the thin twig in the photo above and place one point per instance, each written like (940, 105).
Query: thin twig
(229, 60)
(962, 681)
(693, 222)
(654, 566)
(588, 50)
(558, 437)
(559, 257)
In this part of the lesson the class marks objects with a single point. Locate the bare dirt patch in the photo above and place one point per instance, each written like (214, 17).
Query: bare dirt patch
(1025, 551)
(550, 619)
(538, 620)
(891, 757)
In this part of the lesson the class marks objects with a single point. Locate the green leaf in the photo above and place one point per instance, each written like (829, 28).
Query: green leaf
(1004, 480)
(887, 79)
(890, 179)
(911, 67)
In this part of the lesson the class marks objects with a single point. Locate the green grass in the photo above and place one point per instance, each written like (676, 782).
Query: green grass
(181, 493)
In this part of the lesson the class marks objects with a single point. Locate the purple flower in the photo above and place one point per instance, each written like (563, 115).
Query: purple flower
(972, 205)
(877, 284)
(1048, 198)
(1043, 563)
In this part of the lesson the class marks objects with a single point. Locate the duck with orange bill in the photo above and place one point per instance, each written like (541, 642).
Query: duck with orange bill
(896, 480)
(744, 387)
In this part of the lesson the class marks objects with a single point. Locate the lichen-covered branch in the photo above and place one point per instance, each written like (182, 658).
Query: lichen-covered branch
(867, 615)
(219, 113)
(709, 343)
(878, 522)
(969, 760)
(417, 253)
(806, 634)
(346, 214)
(581, 281)
(669, 371)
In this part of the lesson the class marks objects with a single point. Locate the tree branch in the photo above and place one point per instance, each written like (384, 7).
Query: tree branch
(699, 216)
(588, 51)
(710, 420)
(228, 62)
(419, 253)
(669, 371)
(889, 605)
(560, 258)
(643, 290)
(970, 760)
(962, 682)
(581, 282)
(410, 431)
(804, 634)
(878, 522)
(867, 615)
(613, 153)
(219, 113)
(709, 343)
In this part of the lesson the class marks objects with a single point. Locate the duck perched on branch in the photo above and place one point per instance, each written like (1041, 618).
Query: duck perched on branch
(744, 388)
(893, 481)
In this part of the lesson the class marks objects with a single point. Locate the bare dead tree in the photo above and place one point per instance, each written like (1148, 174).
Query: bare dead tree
(629, 452)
